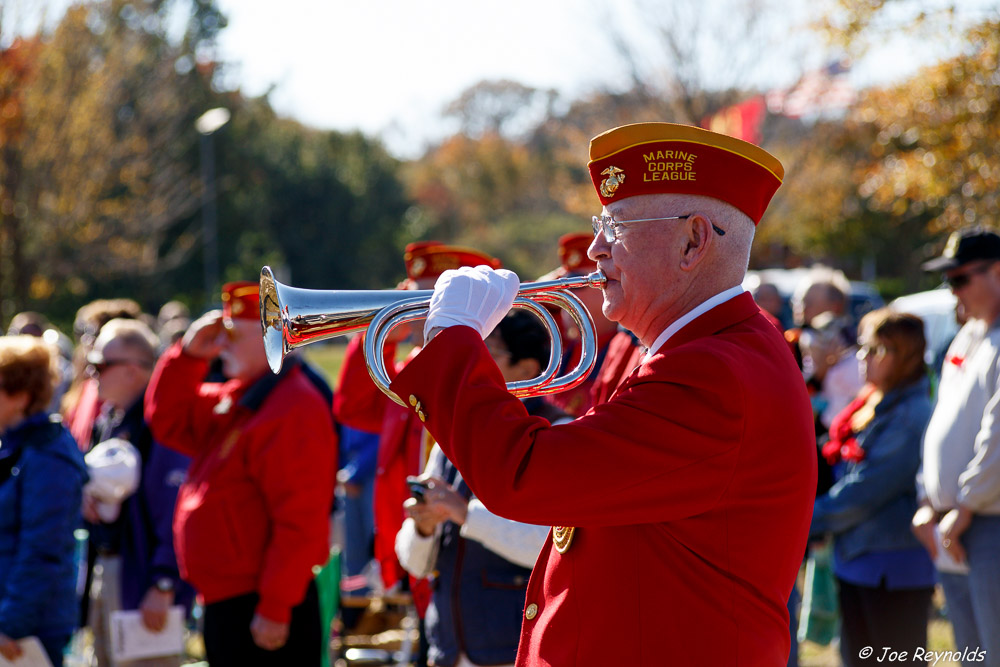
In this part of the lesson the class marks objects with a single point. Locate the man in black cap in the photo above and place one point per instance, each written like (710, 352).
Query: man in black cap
(959, 485)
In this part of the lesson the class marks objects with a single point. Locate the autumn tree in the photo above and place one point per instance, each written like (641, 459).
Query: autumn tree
(16, 70)
(494, 193)
(107, 157)
(500, 107)
(325, 208)
(921, 156)
(676, 62)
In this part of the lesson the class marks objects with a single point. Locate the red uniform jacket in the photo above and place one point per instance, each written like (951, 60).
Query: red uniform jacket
(253, 514)
(690, 491)
(80, 418)
(399, 455)
(578, 400)
(623, 355)
(360, 404)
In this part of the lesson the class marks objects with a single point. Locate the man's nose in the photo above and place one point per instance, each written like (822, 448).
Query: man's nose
(599, 248)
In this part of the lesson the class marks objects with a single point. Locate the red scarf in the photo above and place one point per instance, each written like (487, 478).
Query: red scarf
(842, 445)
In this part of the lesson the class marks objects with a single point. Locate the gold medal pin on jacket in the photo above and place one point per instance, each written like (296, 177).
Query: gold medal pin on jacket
(562, 536)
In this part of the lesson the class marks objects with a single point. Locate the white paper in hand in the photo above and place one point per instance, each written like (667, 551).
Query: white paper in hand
(944, 562)
(130, 639)
(33, 655)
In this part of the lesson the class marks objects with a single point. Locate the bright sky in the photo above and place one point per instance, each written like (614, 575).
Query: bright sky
(388, 67)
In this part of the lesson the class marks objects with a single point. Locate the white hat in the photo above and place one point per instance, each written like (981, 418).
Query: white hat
(114, 475)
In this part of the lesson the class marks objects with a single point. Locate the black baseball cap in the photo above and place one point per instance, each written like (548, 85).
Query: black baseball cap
(964, 246)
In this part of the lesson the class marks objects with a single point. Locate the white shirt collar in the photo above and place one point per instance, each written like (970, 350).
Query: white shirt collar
(689, 316)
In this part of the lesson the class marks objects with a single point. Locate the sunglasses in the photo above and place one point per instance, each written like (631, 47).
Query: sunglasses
(101, 367)
(871, 350)
(960, 280)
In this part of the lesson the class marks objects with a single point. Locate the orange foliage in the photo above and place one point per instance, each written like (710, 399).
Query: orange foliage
(936, 138)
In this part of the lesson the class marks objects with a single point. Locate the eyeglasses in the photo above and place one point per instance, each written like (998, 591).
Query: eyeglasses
(93, 370)
(610, 226)
(960, 280)
(868, 350)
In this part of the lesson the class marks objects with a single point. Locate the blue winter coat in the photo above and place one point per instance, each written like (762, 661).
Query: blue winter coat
(39, 509)
(870, 507)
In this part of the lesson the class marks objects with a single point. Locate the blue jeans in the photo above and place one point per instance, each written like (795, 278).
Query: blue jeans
(359, 531)
(973, 601)
(794, 600)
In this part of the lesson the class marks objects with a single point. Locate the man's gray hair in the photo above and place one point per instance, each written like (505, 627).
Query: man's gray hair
(739, 228)
(836, 284)
(133, 334)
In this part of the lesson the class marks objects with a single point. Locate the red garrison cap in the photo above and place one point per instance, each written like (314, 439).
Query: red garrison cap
(573, 255)
(241, 301)
(657, 158)
(430, 259)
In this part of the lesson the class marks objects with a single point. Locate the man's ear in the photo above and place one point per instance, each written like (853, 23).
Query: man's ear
(697, 240)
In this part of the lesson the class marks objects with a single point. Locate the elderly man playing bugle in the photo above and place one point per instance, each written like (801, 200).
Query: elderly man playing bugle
(681, 506)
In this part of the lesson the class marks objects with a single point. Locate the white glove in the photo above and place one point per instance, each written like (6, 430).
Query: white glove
(476, 297)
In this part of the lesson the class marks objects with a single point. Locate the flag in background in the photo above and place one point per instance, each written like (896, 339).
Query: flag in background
(820, 91)
(742, 121)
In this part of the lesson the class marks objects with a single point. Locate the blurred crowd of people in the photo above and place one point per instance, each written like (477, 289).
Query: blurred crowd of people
(196, 471)
(154, 460)
(908, 477)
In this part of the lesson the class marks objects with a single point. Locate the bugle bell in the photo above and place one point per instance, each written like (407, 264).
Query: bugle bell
(292, 317)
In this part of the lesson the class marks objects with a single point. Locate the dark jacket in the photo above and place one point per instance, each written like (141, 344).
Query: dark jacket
(478, 595)
(143, 533)
(40, 493)
(478, 598)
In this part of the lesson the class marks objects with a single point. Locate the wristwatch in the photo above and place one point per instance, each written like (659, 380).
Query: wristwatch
(164, 585)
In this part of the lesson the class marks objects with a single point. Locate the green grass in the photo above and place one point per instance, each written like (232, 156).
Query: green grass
(328, 357)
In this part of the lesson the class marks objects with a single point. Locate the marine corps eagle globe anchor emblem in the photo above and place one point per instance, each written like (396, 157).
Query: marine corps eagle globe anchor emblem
(615, 177)
(562, 536)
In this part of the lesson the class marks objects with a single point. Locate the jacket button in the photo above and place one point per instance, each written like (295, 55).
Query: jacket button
(413, 401)
(531, 611)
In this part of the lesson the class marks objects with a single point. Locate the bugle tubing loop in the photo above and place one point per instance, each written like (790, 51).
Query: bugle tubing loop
(292, 317)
